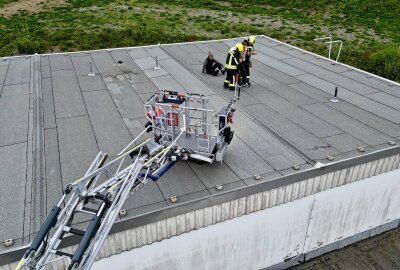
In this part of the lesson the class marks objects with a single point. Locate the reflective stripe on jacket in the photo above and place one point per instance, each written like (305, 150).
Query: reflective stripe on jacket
(232, 60)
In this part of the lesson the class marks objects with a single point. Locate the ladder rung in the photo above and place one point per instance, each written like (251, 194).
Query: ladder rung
(76, 231)
(61, 253)
(87, 209)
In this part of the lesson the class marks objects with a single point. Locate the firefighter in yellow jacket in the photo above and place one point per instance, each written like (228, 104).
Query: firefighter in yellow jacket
(232, 65)
(247, 63)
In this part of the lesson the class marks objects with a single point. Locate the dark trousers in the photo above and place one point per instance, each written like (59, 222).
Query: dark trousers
(230, 80)
(246, 65)
(213, 70)
(242, 72)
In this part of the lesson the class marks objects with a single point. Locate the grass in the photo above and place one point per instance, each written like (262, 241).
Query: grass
(370, 29)
(5, 2)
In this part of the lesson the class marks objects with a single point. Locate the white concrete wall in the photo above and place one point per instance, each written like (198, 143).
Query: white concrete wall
(270, 236)
(352, 209)
(248, 242)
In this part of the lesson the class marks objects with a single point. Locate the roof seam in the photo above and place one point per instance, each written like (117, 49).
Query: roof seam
(38, 160)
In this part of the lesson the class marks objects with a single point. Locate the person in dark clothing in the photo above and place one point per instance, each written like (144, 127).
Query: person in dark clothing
(232, 65)
(249, 43)
(241, 67)
(212, 66)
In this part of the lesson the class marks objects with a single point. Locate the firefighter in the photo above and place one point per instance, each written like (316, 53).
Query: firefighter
(247, 63)
(212, 66)
(231, 66)
(241, 67)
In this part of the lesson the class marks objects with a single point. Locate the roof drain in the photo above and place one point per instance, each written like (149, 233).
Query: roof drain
(91, 74)
(335, 99)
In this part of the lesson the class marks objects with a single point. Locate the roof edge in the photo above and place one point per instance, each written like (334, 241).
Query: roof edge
(179, 209)
(211, 40)
(334, 62)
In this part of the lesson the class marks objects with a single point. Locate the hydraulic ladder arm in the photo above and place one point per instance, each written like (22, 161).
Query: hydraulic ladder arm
(102, 191)
(100, 194)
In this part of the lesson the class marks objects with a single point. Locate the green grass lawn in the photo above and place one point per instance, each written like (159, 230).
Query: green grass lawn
(370, 29)
(5, 2)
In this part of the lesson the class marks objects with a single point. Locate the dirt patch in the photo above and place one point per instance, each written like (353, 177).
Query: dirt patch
(30, 6)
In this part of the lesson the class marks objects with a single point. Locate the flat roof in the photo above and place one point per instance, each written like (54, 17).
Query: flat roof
(284, 119)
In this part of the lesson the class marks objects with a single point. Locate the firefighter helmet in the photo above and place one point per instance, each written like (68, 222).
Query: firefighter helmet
(252, 39)
(239, 46)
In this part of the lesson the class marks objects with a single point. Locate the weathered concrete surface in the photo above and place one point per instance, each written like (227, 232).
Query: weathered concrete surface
(248, 242)
(349, 210)
(273, 237)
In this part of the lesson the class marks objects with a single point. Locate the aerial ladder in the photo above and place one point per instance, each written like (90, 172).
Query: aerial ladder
(182, 127)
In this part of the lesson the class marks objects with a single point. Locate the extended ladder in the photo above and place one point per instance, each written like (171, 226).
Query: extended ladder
(103, 190)
(101, 199)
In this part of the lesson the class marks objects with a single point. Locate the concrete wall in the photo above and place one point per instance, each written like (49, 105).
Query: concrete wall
(161, 229)
(271, 236)
(350, 210)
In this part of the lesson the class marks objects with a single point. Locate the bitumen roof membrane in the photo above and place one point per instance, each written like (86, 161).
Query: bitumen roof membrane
(284, 119)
